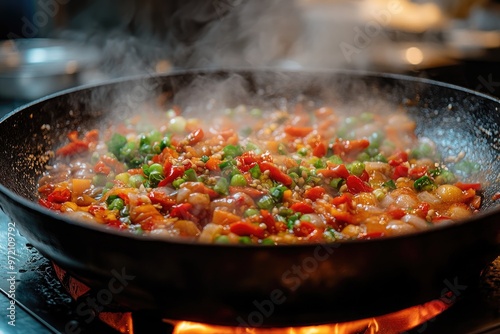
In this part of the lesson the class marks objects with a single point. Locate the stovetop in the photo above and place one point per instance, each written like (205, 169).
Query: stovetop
(43, 306)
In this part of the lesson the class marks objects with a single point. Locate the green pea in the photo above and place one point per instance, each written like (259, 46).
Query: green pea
(136, 180)
(251, 212)
(177, 182)
(357, 168)
(238, 180)
(246, 240)
(221, 239)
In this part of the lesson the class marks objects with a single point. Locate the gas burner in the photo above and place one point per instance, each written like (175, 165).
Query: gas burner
(48, 301)
(396, 322)
(415, 318)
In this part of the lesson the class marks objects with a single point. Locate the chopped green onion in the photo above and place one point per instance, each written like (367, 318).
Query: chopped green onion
(389, 184)
(190, 175)
(251, 212)
(116, 142)
(379, 194)
(424, 183)
(232, 151)
(222, 186)
(165, 142)
(266, 202)
(116, 204)
(255, 172)
(337, 182)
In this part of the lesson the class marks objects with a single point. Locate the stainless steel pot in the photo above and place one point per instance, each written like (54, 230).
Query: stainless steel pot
(31, 68)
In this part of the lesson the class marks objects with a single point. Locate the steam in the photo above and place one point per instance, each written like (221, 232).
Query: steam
(154, 36)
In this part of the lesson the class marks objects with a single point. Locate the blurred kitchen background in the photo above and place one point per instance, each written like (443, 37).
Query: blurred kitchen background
(48, 45)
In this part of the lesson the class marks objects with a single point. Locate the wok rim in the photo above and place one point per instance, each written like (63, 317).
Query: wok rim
(33, 206)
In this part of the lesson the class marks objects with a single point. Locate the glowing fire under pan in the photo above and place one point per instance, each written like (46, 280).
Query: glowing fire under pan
(257, 285)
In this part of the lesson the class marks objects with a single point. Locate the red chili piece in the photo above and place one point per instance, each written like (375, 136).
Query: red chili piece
(247, 229)
(302, 207)
(355, 185)
(304, 229)
(275, 173)
(314, 193)
(59, 196)
(268, 219)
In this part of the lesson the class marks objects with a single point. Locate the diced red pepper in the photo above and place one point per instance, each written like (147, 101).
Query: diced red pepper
(49, 205)
(315, 193)
(73, 148)
(422, 209)
(116, 165)
(298, 131)
(252, 192)
(242, 228)
(342, 216)
(268, 219)
(304, 229)
(59, 196)
(275, 173)
(342, 147)
(334, 172)
(246, 161)
(344, 198)
(181, 211)
(124, 197)
(195, 137)
(396, 213)
(355, 185)
(417, 172)
(102, 168)
(319, 150)
(213, 164)
(91, 136)
(365, 176)
(160, 197)
(398, 158)
(372, 235)
(400, 171)
(302, 207)
(467, 186)
(171, 173)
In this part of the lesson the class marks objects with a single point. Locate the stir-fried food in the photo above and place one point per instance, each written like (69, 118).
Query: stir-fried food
(257, 176)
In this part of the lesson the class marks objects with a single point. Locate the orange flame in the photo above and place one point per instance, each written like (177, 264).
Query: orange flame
(396, 322)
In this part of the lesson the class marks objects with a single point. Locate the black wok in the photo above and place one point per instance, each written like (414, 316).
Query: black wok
(252, 285)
